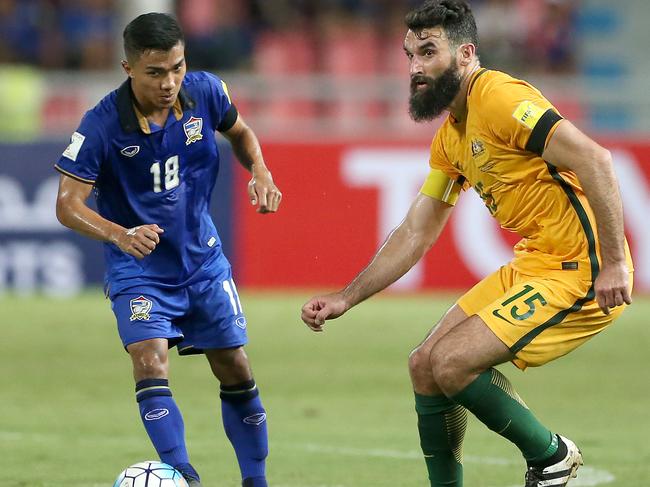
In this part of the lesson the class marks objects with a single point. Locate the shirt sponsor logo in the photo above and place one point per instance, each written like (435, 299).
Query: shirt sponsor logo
(130, 151)
(140, 308)
(76, 141)
(255, 419)
(193, 129)
(156, 414)
(528, 114)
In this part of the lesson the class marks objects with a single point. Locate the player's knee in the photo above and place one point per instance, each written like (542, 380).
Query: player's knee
(150, 370)
(230, 365)
(149, 366)
(446, 366)
(418, 361)
(150, 359)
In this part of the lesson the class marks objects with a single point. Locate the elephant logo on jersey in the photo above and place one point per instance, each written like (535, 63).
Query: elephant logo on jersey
(140, 308)
(193, 129)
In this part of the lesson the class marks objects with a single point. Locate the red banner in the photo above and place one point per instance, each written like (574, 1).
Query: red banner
(341, 201)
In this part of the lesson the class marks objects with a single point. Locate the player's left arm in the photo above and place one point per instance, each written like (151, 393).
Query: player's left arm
(262, 191)
(568, 148)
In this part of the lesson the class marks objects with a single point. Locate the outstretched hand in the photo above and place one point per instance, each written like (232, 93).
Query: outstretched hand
(612, 287)
(321, 308)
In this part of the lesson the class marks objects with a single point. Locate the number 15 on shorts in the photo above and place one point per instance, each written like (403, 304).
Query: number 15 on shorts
(521, 310)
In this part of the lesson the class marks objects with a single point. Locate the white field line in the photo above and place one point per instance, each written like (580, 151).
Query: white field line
(587, 476)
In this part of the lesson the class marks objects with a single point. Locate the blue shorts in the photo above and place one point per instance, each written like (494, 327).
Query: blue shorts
(202, 316)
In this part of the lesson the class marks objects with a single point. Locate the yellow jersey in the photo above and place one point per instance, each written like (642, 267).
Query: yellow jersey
(497, 150)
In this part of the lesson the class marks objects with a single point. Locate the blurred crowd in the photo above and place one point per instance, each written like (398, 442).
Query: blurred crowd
(365, 36)
(285, 36)
(58, 34)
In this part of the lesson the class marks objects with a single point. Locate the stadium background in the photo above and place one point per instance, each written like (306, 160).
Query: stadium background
(325, 86)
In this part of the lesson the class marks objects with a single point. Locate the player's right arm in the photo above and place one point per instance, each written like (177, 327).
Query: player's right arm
(73, 212)
(404, 247)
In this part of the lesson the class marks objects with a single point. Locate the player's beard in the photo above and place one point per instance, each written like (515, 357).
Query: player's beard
(427, 103)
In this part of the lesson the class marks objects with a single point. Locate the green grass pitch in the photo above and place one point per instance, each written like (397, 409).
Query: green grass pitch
(340, 405)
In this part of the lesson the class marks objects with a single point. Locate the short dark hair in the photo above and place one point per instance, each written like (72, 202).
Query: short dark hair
(454, 16)
(151, 31)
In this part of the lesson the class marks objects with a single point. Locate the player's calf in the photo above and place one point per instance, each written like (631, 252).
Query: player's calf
(244, 420)
(164, 424)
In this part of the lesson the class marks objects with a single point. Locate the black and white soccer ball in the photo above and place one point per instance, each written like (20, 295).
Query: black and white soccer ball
(150, 474)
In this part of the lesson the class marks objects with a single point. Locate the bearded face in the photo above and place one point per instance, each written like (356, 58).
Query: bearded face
(431, 96)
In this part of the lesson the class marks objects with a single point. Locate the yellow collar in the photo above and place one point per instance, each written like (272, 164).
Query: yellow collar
(144, 123)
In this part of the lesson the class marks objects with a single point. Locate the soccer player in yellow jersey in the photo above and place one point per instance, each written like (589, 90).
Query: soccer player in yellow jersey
(540, 177)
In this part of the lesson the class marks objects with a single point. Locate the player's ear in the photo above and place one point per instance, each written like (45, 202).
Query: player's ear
(466, 53)
(127, 69)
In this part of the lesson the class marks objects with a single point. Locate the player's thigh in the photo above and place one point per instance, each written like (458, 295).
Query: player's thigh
(452, 317)
(469, 348)
(146, 313)
(476, 298)
(543, 318)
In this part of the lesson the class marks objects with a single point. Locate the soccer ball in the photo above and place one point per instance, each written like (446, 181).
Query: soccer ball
(150, 474)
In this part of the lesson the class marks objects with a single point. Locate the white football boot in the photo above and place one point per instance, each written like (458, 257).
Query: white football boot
(558, 474)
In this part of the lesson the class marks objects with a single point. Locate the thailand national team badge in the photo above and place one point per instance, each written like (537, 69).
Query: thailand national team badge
(140, 308)
(193, 129)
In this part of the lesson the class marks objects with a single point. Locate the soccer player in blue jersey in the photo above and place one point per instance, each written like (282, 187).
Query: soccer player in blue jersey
(149, 152)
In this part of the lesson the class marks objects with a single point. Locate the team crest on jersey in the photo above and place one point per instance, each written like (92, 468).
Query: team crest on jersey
(140, 308)
(478, 149)
(130, 151)
(193, 129)
(479, 153)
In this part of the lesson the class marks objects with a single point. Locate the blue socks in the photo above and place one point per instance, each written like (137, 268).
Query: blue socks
(164, 423)
(244, 420)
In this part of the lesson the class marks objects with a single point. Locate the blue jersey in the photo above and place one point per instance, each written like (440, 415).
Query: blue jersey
(145, 174)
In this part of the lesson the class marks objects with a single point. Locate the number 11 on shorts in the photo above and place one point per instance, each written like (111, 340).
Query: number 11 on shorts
(231, 291)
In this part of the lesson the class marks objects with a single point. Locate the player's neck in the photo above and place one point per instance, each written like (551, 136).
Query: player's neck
(159, 116)
(458, 107)
(152, 113)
